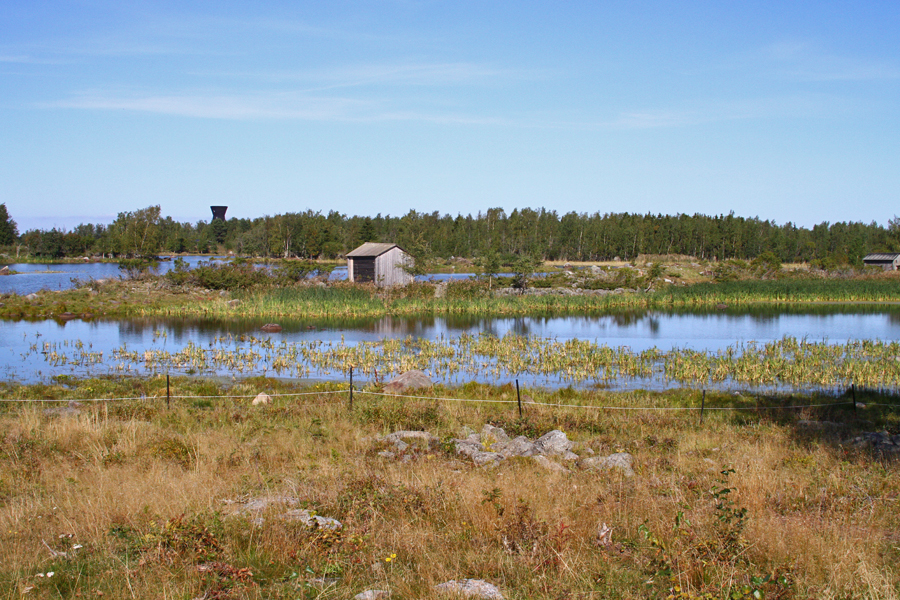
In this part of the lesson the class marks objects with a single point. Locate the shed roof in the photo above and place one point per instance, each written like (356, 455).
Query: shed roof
(370, 249)
(882, 256)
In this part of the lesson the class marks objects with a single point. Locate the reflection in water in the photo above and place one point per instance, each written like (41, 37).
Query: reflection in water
(664, 330)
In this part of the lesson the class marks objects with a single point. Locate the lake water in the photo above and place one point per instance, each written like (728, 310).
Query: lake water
(30, 278)
(30, 350)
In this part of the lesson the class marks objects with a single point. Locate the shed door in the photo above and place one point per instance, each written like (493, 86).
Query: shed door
(364, 269)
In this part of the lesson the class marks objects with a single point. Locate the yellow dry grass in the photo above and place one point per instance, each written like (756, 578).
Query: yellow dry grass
(145, 492)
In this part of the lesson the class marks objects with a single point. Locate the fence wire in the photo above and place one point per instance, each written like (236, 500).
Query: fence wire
(529, 403)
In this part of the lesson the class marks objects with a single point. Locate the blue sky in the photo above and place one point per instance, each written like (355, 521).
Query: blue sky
(783, 110)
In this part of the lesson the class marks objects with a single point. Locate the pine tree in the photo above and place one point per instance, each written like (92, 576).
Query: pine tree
(8, 230)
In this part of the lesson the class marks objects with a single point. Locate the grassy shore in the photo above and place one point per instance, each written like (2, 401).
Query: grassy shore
(131, 498)
(154, 296)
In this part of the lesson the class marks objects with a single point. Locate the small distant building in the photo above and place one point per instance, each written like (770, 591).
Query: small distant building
(888, 261)
(218, 212)
(383, 264)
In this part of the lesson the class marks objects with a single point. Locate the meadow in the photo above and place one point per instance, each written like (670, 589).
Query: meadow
(134, 498)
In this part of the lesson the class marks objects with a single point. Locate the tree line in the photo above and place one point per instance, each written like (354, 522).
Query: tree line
(540, 234)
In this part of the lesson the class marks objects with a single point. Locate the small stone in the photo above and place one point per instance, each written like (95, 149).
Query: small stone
(271, 328)
(262, 398)
(621, 460)
(411, 380)
(490, 459)
(373, 595)
(475, 588)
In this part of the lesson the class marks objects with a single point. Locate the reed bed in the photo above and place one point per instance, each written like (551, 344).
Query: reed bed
(789, 363)
(355, 301)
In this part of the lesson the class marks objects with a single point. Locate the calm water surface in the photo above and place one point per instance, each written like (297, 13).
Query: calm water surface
(21, 358)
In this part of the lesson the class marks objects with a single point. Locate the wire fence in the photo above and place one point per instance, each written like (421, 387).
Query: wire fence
(521, 405)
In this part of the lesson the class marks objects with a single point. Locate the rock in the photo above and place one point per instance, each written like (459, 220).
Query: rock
(312, 520)
(4, 271)
(553, 443)
(468, 447)
(411, 380)
(880, 441)
(493, 437)
(256, 507)
(595, 270)
(549, 465)
(721, 306)
(262, 398)
(482, 459)
(31, 297)
(233, 303)
(271, 328)
(521, 446)
(402, 439)
(67, 316)
(373, 595)
(622, 461)
(475, 588)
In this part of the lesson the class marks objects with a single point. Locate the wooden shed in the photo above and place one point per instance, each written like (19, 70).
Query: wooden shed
(384, 264)
(886, 260)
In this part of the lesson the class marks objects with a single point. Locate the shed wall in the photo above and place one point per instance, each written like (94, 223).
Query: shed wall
(389, 268)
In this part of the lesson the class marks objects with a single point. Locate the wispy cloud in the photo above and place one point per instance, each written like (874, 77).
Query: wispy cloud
(803, 105)
(806, 61)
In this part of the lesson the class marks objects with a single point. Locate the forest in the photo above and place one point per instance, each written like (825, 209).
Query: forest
(538, 233)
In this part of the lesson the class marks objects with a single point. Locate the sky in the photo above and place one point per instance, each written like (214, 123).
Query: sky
(787, 111)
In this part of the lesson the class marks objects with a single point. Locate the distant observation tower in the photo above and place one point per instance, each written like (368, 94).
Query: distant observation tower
(218, 212)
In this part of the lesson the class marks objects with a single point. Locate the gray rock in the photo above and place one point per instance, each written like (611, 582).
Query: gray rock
(312, 520)
(494, 438)
(487, 458)
(475, 588)
(553, 443)
(233, 303)
(548, 464)
(255, 508)
(373, 595)
(4, 271)
(622, 461)
(411, 380)
(403, 439)
(262, 398)
(468, 447)
(521, 446)
(387, 454)
(31, 297)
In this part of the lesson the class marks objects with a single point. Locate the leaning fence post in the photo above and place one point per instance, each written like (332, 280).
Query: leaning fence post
(853, 395)
(167, 391)
(519, 398)
(351, 388)
(702, 405)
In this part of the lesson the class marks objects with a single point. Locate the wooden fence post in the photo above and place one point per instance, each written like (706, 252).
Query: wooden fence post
(702, 406)
(519, 398)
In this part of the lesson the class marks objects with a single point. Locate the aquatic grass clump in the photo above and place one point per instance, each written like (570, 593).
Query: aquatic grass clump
(787, 364)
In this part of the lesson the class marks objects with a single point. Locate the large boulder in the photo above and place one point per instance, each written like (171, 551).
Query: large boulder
(411, 380)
